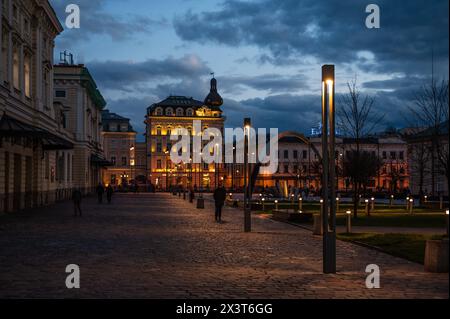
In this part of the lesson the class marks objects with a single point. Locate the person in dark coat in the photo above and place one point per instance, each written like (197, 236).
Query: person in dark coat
(100, 191)
(76, 197)
(109, 193)
(220, 195)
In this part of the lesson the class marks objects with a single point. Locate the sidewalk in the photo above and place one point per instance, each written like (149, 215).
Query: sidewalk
(160, 246)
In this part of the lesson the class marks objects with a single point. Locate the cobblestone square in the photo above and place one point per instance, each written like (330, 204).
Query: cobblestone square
(160, 246)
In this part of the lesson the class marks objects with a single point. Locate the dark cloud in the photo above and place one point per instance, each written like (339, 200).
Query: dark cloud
(283, 111)
(400, 82)
(128, 76)
(331, 31)
(273, 83)
(95, 20)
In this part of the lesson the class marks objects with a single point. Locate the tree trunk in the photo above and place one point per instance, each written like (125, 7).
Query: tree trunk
(355, 200)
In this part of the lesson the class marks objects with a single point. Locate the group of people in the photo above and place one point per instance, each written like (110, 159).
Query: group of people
(100, 190)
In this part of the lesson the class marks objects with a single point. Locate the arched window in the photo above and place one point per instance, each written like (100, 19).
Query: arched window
(190, 112)
(169, 130)
(179, 111)
(169, 111)
(158, 130)
(158, 111)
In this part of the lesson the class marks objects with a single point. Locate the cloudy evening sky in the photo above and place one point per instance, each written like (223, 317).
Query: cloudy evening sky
(266, 54)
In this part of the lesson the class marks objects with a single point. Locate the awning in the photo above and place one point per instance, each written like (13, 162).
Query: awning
(11, 127)
(100, 161)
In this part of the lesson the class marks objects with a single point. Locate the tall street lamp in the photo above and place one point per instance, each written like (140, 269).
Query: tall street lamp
(132, 162)
(247, 182)
(329, 170)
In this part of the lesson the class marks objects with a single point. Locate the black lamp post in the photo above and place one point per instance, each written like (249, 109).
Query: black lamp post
(329, 170)
(247, 181)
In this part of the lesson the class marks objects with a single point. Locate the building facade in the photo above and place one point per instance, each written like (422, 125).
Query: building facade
(36, 156)
(429, 170)
(119, 140)
(81, 103)
(170, 115)
(299, 160)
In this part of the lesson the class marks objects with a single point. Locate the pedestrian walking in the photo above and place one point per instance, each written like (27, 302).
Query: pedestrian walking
(220, 195)
(109, 193)
(100, 191)
(76, 197)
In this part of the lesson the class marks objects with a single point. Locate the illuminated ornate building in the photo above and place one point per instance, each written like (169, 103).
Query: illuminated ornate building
(171, 114)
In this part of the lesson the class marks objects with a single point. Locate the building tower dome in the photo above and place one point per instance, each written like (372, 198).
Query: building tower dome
(213, 98)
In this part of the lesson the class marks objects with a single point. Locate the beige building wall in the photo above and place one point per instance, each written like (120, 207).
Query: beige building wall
(77, 94)
(30, 165)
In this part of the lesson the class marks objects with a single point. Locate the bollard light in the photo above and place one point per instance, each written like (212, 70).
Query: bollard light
(263, 206)
(373, 203)
(367, 207)
(425, 198)
(349, 221)
(411, 205)
(391, 201)
(337, 203)
(300, 203)
(407, 203)
(276, 204)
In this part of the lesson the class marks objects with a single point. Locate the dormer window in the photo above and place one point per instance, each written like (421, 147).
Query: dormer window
(169, 111)
(158, 111)
(179, 112)
(190, 112)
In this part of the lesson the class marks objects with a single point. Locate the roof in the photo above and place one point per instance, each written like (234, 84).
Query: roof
(108, 117)
(442, 129)
(11, 127)
(177, 101)
(291, 139)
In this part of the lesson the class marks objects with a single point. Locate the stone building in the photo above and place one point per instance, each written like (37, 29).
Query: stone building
(424, 179)
(35, 147)
(119, 140)
(81, 104)
(171, 114)
(299, 163)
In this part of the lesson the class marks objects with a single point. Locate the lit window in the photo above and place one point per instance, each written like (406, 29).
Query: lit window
(27, 75)
(16, 69)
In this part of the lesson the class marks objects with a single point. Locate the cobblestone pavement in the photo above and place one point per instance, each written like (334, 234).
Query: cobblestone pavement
(159, 246)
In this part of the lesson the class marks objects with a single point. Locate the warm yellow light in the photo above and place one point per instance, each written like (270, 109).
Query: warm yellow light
(329, 82)
(348, 212)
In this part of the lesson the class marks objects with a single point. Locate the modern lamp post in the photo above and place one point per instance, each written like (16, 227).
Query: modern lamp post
(247, 182)
(329, 170)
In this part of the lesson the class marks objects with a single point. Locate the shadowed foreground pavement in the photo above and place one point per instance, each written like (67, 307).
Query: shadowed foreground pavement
(159, 246)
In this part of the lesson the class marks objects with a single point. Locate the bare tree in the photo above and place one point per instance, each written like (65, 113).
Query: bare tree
(356, 119)
(430, 110)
